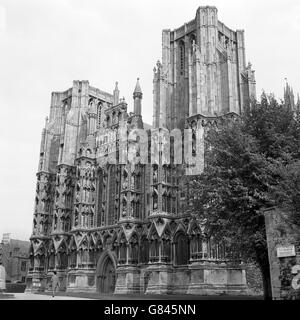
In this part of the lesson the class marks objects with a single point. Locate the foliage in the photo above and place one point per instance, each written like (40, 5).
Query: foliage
(251, 164)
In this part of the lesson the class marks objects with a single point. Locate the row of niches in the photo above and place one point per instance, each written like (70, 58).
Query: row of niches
(180, 249)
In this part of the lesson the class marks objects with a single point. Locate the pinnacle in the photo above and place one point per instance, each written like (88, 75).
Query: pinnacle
(138, 87)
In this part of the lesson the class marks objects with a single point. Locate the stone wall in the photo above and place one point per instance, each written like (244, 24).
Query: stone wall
(285, 271)
(254, 279)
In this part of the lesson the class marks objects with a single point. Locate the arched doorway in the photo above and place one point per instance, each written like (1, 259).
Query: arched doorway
(106, 274)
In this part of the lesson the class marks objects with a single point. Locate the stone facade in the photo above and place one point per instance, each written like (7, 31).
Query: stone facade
(124, 227)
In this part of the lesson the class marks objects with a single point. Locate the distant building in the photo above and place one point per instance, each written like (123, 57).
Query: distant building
(14, 255)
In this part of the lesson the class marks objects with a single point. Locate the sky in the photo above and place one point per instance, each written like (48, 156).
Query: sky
(46, 44)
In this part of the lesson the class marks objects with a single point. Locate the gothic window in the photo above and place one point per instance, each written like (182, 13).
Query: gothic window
(86, 256)
(221, 251)
(212, 249)
(67, 224)
(168, 173)
(134, 249)
(165, 173)
(91, 220)
(51, 260)
(91, 257)
(133, 208)
(168, 204)
(181, 249)
(164, 202)
(196, 247)
(73, 258)
(99, 111)
(182, 54)
(122, 251)
(137, 182)
(41, 259)
(166, 250)
(155, 200)
(144, 250)
(133, 178)
(98, 251)
(174, 202)
(154, 250)
(116, 210)
(63, 260)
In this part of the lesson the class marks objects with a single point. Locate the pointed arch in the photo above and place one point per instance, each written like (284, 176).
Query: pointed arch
(153, 245)
(40, 257)
(144, 250)
(181, 248)
(72, 253)
(62, 255)
(196, 241)
(51, 256)
(105, 272)
(133, 249)
(166, 244)
(122, 254)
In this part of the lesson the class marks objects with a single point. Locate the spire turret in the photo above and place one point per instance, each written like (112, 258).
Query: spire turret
(116, 94)
(137, 96)
(289, 98)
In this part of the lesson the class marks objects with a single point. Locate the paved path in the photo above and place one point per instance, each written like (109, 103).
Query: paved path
(33, 296)
(92, 296)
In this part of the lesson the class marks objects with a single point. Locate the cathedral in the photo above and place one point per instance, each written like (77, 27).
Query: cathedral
(119, 226)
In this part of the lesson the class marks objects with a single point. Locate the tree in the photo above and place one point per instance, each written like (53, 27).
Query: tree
(251, 164)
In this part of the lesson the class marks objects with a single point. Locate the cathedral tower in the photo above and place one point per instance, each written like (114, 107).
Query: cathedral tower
(203, 72)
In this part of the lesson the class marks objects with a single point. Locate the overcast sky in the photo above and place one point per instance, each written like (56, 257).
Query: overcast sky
(45, 44)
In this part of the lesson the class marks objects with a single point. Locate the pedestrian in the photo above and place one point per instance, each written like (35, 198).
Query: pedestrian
(2, 278)
(55, 283)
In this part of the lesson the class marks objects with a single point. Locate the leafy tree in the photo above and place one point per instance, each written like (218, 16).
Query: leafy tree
(251, 164)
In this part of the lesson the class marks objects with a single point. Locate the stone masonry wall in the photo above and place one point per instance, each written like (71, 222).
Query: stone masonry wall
(285, 277)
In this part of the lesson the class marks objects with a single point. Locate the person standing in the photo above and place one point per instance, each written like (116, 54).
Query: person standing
(2, 278)
(55, 283)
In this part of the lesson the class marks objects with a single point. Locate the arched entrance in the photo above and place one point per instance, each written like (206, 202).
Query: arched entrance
(106, 274)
